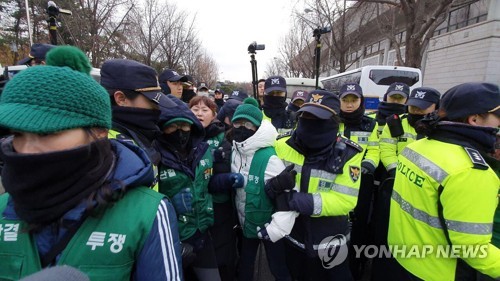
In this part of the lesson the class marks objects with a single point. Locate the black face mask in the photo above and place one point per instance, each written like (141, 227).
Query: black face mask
(45, 186)
(274, 102)
(241, 134)
(187, 95)
(385, 109)
(314, 135)
(179, 140)
(413, 118)
(139, 120)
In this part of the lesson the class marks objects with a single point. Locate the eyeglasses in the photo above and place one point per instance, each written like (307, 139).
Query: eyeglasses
(249, 125)
(186, 127)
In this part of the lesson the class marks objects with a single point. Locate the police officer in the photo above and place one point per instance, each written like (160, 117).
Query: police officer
(400, 131)
(274, 106)
(445, 192)
(362, 130)
(325, 181)
(135, 100)
(37, 54)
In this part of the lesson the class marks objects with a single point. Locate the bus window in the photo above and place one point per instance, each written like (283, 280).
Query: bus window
(387, 77)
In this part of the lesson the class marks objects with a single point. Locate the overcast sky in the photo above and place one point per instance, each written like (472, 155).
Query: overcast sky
(227, 27)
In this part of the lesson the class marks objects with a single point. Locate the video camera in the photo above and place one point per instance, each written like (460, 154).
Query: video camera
(255, 47)
(54, 11)
(321, 30)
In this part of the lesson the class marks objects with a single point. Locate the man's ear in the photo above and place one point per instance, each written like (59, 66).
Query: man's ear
(472, 119)
(120, 98)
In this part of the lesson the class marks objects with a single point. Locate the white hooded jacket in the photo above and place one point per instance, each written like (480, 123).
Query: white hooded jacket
(242, 156)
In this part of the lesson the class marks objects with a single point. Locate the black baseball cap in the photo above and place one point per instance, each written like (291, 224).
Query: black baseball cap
(172, 76)
(471, 98)
(203, 85)
(322, 104)
(300, 95)
(123, 74)
(398, 88)
(351, 89)
(423, 97)
(275, 83)
(39, 50)
(238, 95)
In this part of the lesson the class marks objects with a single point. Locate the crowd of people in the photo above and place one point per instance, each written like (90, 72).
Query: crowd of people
(145, 176)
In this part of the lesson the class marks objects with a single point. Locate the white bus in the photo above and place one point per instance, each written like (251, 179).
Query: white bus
(305, 84)
(374, 79)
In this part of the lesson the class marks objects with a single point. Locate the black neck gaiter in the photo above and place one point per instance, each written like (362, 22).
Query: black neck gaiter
(241, 134)
(47, 185)
(480, 138)
(219, 102)
(177, 141)
(353, 118)
(275, 108)
(143, 121)
(187, 95)
(413, 118)
(314, 135)
(386, 109)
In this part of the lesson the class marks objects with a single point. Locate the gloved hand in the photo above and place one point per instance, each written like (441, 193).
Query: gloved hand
(188, 255)
(392, 173)
(302, 203)
(237, 180)
(262, 233)
(367, 168)
(284, 181)
(182, 201)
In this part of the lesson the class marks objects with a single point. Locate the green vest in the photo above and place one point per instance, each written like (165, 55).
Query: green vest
(213, 144)
(105, 247)
(258, 206)
(441, 184)
(112, 134)
(173, 181)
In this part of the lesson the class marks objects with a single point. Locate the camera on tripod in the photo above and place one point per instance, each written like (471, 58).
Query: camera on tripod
(321, 30)
(54, 11)
(255, 47)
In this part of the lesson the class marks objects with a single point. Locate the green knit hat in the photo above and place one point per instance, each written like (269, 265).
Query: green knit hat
(69, 56)
(250, 111)
(47, 99)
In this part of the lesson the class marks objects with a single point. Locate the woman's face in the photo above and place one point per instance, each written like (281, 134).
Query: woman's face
(203, 113)
(31, 143)
(349, 103)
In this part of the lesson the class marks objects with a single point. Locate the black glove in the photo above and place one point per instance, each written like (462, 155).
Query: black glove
(188, 255)
(284, 181)
(367, 168)
(392, 173)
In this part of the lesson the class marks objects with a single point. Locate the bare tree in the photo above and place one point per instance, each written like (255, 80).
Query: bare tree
(419, 19)
(145, 33)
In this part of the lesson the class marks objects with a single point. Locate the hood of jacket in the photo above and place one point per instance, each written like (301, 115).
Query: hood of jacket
(198, 145)
(264, 136)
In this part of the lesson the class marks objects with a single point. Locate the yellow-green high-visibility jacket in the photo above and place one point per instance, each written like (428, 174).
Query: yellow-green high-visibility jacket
(368, 140)
(443, 200)
(391, 147)
(112, 134)
(380, 127)
(335, 192)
